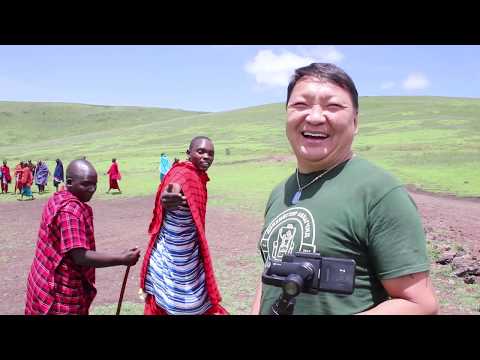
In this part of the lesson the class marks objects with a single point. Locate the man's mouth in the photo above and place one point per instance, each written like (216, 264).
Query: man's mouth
(315, 135)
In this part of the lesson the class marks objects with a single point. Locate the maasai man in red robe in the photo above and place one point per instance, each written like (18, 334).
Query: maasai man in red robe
(180, 208)
(26, 181)
(6, 178)
(62, 276)
(18, 177)
(114, 177)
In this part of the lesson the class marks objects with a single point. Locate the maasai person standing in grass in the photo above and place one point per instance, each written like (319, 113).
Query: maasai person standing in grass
(177, 275)
(6, 178)
(27, 182)
(62, 275)
(32, 167)
(114, 177)
(41, 176)
(164, 165)
(58, 177)
(18, 178)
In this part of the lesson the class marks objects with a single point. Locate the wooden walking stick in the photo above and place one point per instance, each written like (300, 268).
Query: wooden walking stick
(123, 290)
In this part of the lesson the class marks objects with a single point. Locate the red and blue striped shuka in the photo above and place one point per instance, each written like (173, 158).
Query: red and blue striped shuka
(56, 285)
(194, 186)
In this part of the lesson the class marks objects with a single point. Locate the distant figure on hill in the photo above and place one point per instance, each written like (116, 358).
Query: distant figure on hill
(62, 276)
(164, 165)
(5, 177)
(177, 274)
(27, 182)
(114, 177)
(58, 177)
(41, 176)
(18, 177)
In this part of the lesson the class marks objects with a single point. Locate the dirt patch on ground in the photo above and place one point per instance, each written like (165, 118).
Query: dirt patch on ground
(119, 224)
(122, 223)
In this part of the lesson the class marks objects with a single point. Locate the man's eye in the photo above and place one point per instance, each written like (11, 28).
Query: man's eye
(300, 105)
(334, 106)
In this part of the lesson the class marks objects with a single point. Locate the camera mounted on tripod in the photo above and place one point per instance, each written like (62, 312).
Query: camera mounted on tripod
(308, 273)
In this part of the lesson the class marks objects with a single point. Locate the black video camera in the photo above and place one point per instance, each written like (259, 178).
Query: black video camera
(309, 273)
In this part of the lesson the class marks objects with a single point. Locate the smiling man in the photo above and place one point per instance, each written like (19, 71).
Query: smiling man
(62, 275)
(339, 205)
(177, 275)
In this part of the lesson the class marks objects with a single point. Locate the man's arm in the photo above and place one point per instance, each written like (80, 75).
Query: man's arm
(172, 197)
(411, 295)
(84, 257)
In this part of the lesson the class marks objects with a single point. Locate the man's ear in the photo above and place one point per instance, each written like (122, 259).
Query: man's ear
(68, 183)
(188, 154)
(355, 122)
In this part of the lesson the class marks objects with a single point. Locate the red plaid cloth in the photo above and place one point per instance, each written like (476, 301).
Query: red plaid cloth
(194, 186)
(56, 285)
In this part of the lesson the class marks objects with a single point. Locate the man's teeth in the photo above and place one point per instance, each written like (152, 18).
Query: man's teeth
(316, 135)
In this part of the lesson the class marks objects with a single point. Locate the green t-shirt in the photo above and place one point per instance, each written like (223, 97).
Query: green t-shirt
(356, 211)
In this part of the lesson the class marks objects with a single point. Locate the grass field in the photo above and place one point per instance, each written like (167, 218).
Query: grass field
(431, 142)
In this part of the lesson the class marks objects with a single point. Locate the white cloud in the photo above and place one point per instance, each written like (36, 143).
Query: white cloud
(323, 53)
(416, 81)
(275, 70)
(387, 85)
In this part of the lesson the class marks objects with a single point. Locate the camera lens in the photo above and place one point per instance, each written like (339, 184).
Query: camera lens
(292, 285)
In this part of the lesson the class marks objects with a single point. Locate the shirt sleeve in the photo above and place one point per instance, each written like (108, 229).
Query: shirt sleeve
(72, 232)
(397, 244)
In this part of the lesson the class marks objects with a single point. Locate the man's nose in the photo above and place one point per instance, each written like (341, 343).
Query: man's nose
(316, 115)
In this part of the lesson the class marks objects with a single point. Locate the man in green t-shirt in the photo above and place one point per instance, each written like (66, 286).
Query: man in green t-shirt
(339, 205)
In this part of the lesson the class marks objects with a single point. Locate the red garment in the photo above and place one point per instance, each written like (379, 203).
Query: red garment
(194, 186)
(18, 177)
(56, 285)
(27, 177)
(113, 184)
(6, 173)
(151, 308)
(114, 173)
(6, 178)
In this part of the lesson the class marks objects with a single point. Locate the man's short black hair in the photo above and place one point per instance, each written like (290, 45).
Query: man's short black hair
(196, 138)
(328, 72)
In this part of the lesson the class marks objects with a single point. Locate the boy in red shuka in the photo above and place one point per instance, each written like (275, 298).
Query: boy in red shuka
(177, 274)
(114, 177)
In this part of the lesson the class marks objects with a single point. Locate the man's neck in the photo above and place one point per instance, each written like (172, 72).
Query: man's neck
(307, 167)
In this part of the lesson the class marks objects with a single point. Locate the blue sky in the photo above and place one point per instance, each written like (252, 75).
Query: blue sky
(223, 77)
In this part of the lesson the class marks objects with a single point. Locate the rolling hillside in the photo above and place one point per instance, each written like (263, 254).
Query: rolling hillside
(432, 142)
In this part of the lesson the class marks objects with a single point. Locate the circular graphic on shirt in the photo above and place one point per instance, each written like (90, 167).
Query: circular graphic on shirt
(293, 230)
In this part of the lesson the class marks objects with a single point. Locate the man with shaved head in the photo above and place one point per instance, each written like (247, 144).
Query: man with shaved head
(62, 275)
(177, 276)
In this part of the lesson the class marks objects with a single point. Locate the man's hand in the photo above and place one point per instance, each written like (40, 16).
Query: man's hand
(131, 256)
(172, 197)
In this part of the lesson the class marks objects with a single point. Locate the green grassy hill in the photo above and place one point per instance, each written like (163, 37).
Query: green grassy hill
(432, 142)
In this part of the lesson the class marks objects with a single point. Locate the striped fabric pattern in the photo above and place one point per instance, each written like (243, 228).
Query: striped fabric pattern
(176, 275)
(193, 183)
